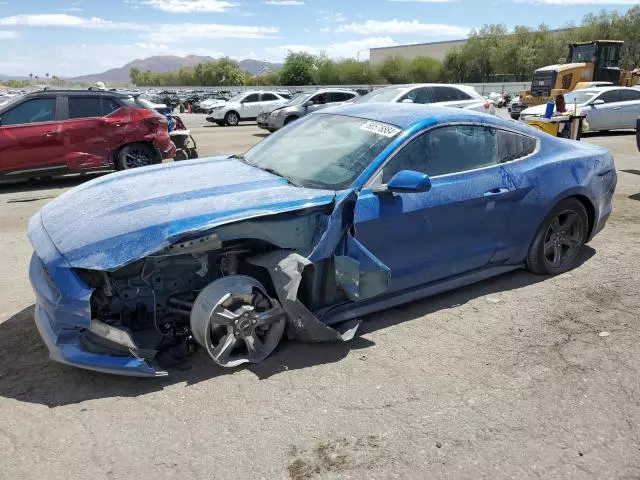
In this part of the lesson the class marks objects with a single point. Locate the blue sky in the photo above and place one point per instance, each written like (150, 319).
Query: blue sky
(74, 37)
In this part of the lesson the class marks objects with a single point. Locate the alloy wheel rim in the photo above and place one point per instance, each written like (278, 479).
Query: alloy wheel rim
(137, 158)
(564, 239)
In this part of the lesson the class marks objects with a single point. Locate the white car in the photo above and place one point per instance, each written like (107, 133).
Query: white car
(246, 106)
(446, 95)
(606, 108)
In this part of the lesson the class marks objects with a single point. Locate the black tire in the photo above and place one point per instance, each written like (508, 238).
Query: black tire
(290, 119)
(193, 153)
(182, 154)
(232, 119)
(220, 123)
(134, 156)
(559, 243)
(515, 116)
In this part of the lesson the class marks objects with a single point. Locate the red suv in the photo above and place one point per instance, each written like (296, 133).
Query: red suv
(58, 131)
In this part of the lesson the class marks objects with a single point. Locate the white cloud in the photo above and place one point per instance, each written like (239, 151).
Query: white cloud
(331, 17)
(64, 20)
(349, 49)
(421, 1)
(284, 3)
(179, 32)
(194, 31)
(187, 6)
(403, 27)
(8, 34)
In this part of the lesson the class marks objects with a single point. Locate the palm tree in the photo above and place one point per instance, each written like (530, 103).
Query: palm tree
(47, 75)
(31, 76)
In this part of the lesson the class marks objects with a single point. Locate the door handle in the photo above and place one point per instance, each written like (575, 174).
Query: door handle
(496, 191)
(617, 108)
(48, 134)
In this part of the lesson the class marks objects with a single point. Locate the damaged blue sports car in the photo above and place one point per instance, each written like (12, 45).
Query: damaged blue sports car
(348, 211)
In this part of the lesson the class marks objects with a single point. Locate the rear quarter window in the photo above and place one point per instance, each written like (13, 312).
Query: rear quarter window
(512, 146)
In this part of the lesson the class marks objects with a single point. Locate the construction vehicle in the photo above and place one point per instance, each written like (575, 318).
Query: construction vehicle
(591, 64)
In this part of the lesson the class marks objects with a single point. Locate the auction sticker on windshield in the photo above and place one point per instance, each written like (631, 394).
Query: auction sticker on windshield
(383, 129)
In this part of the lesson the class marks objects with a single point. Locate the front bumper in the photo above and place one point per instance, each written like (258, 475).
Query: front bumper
(63, 312)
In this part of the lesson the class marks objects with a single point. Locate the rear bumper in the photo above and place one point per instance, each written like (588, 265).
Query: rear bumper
(63, 312)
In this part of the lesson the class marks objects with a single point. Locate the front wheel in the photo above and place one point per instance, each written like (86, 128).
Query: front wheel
(559, 243)
(134, 156)
(232, 119)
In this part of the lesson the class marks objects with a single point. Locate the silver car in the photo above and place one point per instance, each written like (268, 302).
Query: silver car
(302, 105)
(446, 95)
(606, 108)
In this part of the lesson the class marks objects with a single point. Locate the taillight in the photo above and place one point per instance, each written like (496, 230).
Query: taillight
(487, 106)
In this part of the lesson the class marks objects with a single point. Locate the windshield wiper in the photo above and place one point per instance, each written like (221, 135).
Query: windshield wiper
(273, 171)
(240, 157)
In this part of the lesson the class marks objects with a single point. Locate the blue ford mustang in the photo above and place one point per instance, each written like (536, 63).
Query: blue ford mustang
(345, 212)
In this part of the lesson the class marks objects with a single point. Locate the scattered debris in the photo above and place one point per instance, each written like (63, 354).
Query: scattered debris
(438, 445)
(493, 300)
(604, 334)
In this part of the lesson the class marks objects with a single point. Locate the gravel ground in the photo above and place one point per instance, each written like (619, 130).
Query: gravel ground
(510, 378)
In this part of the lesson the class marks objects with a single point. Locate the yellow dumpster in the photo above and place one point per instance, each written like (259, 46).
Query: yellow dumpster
(566, 126)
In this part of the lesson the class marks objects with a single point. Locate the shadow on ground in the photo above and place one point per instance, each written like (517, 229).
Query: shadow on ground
(66, 181)
(612, 133)
(261, 135)
(29, 376)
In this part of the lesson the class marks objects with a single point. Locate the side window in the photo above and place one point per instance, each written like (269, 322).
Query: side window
(338, 97)
(445, 94)
(418, 95)
(446, 150)
(462, 95)
(109, 105)
(512, 146)
(84, 107)
(610, 96)
(629, 95)
(254, 97)
(319, 99)
(269, 97)
(32, 111)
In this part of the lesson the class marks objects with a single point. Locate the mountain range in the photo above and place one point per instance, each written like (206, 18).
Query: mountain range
(168, 63)
(159, 63)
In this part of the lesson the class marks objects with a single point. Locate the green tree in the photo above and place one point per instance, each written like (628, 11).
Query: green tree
(298, 69)
(424, 70)
(394, 70)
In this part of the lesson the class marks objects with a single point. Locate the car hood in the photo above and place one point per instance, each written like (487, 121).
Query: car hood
(119, 218)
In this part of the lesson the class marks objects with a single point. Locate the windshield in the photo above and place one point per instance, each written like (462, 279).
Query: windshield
(323, 151)
(299, 99)
(578, 96)
(238, 97)
(386, 94)
(584, 53)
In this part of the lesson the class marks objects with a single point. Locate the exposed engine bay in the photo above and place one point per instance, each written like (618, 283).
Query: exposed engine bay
(152, 299)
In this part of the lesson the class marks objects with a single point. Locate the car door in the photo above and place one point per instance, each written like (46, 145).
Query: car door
(340, 97)
(604, 116)
(318, 102)
(250, 106)
(452, 229)
(629, 107)
(449, 96)
(88, 138)
(269, 101)
(30, 137)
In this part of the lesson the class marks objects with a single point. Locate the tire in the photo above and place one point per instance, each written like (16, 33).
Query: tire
(181, 155)
(192, 153)
(134, 156)
(220, 123)
(559, 243)
(290, 119)
(515, 116)
(232, 119)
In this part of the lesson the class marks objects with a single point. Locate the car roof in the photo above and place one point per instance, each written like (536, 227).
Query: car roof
(406, 115)
(68, 92)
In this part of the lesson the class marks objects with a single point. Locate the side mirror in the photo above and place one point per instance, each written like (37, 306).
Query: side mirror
(407, 100)
(597, 102)
(408, 181)
(308, 103)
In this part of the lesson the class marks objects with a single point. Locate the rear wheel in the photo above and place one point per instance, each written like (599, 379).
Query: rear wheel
(181, 155)
(232, 119)
(290, 119)
(559, 243)
(134, 156)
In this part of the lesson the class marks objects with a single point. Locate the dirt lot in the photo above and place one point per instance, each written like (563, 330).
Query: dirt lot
(510, 378)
